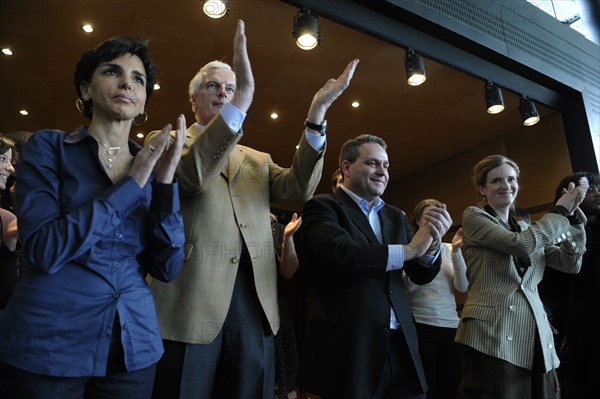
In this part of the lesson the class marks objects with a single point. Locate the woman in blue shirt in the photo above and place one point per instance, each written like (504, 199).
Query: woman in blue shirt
(96, 213)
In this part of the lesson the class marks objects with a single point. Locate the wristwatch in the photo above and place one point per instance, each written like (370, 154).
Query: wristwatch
(322, 128)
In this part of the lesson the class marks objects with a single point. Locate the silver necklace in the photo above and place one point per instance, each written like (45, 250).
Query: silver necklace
(112, 155)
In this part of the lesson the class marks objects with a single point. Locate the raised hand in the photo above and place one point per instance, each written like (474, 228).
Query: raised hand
(327, 94)
(244, 92)
(292, 227)
(164, 170)
(574, 195)
(457, 241)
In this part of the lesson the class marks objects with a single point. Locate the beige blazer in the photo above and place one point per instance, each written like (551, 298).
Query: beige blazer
(226, 191)
(503, 312)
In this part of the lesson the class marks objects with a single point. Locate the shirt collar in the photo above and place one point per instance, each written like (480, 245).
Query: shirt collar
(82, 132)
(378, 203)
(77, 135)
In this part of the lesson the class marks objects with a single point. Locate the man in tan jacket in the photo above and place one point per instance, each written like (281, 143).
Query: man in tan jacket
(219, 316)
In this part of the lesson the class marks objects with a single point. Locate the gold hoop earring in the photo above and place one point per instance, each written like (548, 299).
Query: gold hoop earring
(140, 116)
(81, 108)
(79, 105)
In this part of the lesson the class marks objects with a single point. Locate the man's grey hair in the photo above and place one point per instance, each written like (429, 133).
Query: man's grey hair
(198, 80)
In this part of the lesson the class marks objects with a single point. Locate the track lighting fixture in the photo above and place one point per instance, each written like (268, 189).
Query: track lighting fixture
(216, 8)
(529, 114)
(415, 68)
(306, 30)
(493, 99)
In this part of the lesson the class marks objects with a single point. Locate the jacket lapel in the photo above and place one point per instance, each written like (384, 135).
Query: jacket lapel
(387, 225)
(356, 215)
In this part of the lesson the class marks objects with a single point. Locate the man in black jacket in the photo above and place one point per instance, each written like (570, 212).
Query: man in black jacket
(360, 339)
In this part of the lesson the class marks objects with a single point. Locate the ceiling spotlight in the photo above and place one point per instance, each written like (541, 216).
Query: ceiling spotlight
(493, 99)
(140, 135)
(216, 8)
(156, 86)
(529, 114)
(274, 115)
(7, 51)
(415, 68)
(355, 104)
(24, 112)
(306, 31)
(87, 28)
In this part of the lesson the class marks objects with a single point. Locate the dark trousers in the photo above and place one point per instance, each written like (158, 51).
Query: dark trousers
(239, 363)
(442, 361)
(487, 377)
(20, 384)
(399, 379)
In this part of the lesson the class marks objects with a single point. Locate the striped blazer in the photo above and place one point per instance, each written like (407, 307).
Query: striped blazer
(503, 311)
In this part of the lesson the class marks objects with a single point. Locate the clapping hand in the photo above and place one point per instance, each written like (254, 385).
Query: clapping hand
(158, 156)
(457, 241)
(574, 195)
(164, 170)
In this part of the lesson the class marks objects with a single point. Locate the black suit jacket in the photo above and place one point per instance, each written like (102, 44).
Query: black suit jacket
(350, 294)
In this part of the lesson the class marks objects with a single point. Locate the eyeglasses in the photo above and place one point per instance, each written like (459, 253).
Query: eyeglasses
(5, 160)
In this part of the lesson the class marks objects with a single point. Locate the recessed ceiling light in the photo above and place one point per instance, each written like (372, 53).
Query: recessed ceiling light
(140, 135)
(274, 115)
(6, 51)
(156, 86)
(355, 104)
(87, 28)
(24, 112)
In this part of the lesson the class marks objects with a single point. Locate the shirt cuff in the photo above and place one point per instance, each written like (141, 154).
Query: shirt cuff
(165, 197)
(395, 257)
(233, 117)
(317, 142)
(429, 259)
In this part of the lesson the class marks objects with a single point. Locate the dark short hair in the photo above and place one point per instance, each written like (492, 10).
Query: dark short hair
(593, 179)
(109, 50)
(6, 144)
(350, 149)
(335, 176)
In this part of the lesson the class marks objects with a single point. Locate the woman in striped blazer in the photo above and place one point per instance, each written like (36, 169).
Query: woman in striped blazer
(509, 350)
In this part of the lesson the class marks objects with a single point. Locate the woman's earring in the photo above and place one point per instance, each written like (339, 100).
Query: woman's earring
(79, 105)
(141, 117)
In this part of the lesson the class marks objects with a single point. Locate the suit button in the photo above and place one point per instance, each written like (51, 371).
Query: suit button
(512, 308)
(550, 346)
(234, 259)
(390, 292)
(509, 337)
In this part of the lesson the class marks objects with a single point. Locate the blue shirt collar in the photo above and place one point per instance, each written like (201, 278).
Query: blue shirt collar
(378, 203)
